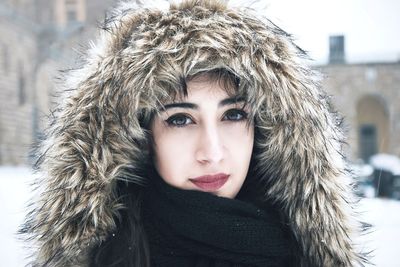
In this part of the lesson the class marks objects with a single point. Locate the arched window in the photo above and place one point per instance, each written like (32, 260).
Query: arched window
(373, 126)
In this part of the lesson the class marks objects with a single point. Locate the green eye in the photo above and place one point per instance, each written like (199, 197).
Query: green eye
(235, 115)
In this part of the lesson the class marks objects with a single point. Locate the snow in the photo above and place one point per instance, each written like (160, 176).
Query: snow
(384, 236)
(386, 162)
(15, 192)
(14, 195)
(363, 170)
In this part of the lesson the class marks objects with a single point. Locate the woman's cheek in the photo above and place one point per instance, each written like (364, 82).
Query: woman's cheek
(175, 146)
(237, 132)
(239, 139)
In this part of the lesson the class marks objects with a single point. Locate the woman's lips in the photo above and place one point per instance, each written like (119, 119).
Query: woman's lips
(210, 183)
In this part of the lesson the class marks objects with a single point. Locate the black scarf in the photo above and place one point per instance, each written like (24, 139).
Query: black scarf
(191, 228)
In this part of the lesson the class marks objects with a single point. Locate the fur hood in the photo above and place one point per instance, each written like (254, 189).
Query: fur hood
(141, 55)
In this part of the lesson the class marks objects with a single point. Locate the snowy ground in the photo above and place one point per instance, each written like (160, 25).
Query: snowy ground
(15, 192)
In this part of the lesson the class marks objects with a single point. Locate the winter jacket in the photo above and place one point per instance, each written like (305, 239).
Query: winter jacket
(95, 136)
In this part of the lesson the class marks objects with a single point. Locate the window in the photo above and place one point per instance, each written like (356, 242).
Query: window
(373, 126)
(72, 11)
(71, 16)
(336, 49)
(6, 62)
(368, 141)
(21, 86)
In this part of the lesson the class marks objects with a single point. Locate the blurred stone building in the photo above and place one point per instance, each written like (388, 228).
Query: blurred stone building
(368, 96)
(38, 37)
(37, 40)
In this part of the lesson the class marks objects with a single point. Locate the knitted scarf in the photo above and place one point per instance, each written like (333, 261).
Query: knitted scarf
(193, 228)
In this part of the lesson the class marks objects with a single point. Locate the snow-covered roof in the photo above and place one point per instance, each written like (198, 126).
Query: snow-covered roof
(386, 162)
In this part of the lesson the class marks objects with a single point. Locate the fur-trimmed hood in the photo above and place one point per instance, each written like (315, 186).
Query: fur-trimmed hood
(95, 136)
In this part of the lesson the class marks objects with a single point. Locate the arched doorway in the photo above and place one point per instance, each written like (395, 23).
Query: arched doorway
(372, 126)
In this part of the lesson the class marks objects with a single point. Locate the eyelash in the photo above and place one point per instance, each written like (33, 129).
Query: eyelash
(172, 121)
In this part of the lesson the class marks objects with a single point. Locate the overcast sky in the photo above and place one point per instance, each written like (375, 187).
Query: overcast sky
(371, 27)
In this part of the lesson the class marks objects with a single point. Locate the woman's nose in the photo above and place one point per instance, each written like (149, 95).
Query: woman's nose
(210, 146)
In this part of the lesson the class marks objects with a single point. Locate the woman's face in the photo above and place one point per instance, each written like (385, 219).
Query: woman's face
(203, 141)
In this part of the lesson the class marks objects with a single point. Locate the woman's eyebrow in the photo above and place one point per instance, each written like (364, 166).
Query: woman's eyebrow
(180, 105)
(230, 101)
(224, 102)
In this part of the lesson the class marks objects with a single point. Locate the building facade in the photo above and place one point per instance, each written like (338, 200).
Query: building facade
(37, 41)
(18, 64)
(368, 96)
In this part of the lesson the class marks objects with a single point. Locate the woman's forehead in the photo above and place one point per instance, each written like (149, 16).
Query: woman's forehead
(204, 89)
(205, 83)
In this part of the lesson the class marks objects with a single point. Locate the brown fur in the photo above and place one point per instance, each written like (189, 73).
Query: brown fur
(138, 61)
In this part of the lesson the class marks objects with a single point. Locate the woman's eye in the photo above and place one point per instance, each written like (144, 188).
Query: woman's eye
(179, 120)
(235, 115)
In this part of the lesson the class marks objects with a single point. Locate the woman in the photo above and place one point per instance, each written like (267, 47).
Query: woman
(193, 136)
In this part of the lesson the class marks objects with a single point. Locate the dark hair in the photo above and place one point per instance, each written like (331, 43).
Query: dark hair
(127, 245)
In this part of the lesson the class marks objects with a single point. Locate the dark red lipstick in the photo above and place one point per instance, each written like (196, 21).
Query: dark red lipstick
(210, 183)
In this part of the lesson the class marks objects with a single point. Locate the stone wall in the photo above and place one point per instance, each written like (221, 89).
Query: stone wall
(367, 94)
(18, 54)
(38, 46)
